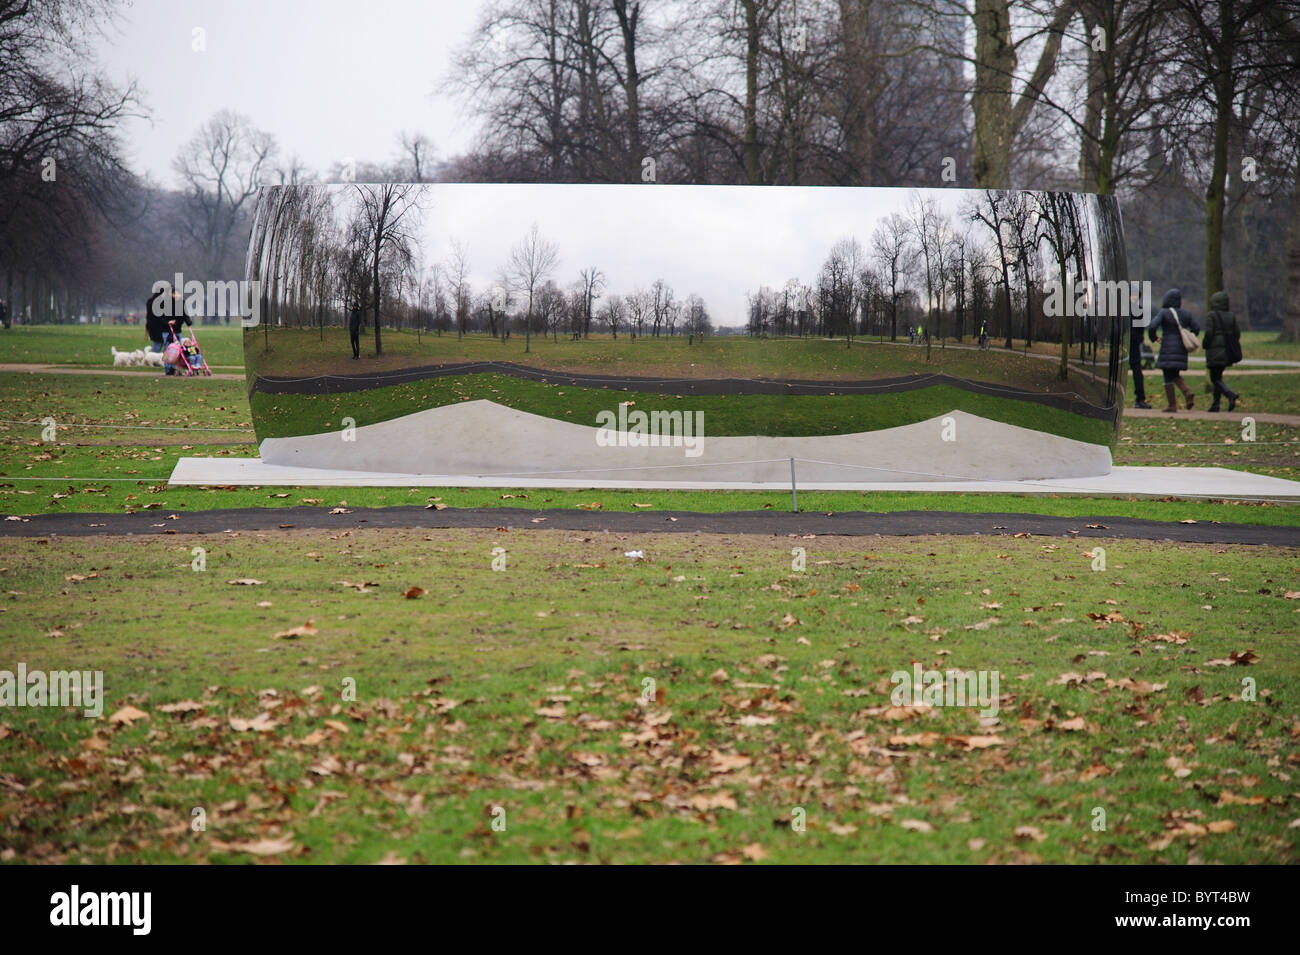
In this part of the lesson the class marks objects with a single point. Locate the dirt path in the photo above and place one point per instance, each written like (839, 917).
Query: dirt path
(769, 523)
(1199, 414)
(68, 370)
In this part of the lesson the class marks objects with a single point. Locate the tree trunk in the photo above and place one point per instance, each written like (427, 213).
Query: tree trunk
(752, 41)
(1291, 303)
(374, 280)
(627, 22)
(858, 143)
(995, 61)
(1225, 54)
(1090, 142)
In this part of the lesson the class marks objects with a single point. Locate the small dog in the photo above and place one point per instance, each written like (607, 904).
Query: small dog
(122, 359)
(153, 358)
(137, 357)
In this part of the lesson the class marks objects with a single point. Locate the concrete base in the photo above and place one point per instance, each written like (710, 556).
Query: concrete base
(485, 439)
(1213, 483)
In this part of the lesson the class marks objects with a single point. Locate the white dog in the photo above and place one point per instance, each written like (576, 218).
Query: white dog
(137, 357)
(122, 359)
(153, 358)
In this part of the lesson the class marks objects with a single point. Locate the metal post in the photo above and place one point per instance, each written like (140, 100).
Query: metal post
(794, 492)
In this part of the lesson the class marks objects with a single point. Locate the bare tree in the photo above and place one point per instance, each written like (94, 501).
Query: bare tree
(222, 167)
(417, 154)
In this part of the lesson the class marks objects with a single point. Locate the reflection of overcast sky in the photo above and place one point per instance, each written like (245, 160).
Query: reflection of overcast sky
(720, 242)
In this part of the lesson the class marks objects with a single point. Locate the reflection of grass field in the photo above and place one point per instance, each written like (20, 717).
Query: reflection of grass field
(302, 352)
(287, 415)
(88, 345)
(521, 690)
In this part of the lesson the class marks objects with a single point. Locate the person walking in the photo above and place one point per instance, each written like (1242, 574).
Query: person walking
(1172, 359)
(155, 323)
(354, 331)
(1135, 366)
(1222, 344)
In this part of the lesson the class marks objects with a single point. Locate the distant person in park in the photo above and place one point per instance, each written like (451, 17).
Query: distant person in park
(354, 331)
(155, 323)
(4, 314)
(984, 334)
(1222, 345)
(1172, 359)
(1135, 358)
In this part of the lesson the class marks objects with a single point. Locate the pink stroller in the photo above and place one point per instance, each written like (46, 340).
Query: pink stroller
(184, 355)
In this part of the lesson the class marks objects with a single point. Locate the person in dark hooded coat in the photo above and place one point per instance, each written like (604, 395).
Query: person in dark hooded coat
(1172, 358)
(1220, 328)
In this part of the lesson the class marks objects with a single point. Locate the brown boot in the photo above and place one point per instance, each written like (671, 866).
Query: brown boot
(1173, 402)
(1187, 394)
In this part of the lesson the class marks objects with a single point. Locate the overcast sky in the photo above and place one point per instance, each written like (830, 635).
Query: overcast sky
(719, 242)
(331, 79)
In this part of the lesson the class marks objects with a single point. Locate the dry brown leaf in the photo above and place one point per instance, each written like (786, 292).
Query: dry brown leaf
(307, 629)
(127, 716)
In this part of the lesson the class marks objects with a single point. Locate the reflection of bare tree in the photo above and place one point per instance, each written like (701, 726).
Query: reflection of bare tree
(532, 261)
(457, 271)
(1059, 231)
(384, 226)
(593, 283)
(661, 301)
(892, 250)
(992, 213)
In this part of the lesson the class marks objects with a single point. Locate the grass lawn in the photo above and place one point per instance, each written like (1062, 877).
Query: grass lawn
(1279, 394)
(123, 463)
(89, 345)
(708, 703)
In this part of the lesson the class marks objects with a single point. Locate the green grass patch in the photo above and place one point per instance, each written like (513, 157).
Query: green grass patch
(90, 345)
(37, 479)
(524, 692)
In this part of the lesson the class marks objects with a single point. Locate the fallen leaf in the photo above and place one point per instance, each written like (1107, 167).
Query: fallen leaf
(127, 716)
(305, 630)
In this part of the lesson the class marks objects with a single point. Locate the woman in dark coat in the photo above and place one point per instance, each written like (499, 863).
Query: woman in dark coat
(1220, 327)
(1172, 359)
